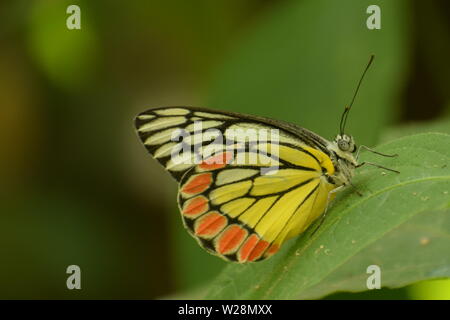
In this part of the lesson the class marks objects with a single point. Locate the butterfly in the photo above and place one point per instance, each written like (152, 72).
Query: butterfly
(247, 183)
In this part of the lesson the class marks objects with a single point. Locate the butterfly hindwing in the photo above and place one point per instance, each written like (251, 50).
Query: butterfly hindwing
(243, 215)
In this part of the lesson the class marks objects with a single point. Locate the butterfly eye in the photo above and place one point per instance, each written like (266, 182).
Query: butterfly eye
(343, 145)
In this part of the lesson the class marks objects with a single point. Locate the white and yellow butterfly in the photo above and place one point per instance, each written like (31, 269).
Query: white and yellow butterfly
(243, 195)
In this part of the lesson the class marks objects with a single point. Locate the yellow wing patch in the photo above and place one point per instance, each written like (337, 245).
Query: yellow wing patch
(236, 207)
(282, 180)
(229, 192)
(233, 175)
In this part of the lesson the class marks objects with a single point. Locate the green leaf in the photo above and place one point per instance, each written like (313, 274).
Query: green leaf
(441, 125)
(426, 233)
(401, 223)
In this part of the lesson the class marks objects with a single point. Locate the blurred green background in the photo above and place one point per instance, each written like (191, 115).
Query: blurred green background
(78, 188)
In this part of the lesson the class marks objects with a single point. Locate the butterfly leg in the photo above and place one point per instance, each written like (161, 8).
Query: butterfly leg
(376, 165)
(373, 151)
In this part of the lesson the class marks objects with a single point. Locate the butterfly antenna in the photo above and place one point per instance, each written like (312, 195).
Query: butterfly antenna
(347, 109)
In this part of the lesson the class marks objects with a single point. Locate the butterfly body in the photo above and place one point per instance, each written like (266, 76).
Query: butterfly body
(245, 210)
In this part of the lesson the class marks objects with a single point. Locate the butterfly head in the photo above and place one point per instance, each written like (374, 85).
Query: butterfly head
(343, 158)
(343, 148)
(345, 143)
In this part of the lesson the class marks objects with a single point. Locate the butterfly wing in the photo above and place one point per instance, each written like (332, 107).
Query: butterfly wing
(243, 197)
(159, 129)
